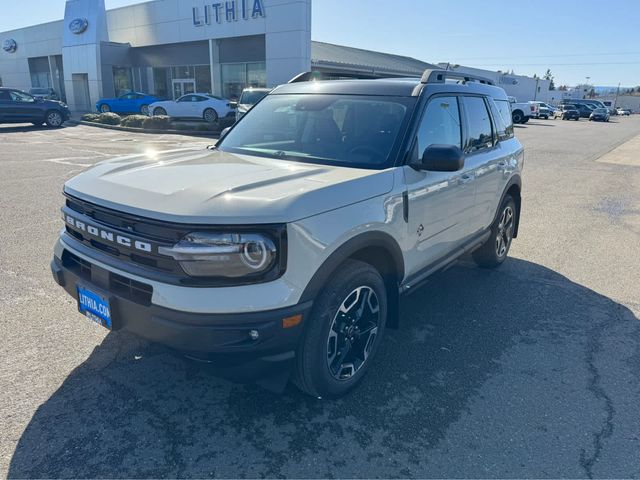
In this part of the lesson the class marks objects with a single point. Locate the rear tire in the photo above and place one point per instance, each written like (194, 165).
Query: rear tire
(343, 332)
(210, 115)
(495, 250)
(517, 116)
(144, 110)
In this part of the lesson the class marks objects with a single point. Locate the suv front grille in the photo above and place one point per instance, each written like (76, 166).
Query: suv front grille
(123, 287)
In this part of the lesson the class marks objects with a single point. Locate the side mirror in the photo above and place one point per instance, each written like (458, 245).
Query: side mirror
(441, 158)
(223, 133)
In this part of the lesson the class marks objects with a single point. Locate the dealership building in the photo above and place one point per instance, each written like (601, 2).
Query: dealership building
(174, 47)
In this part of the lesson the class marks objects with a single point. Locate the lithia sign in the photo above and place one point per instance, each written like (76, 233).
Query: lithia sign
(228, 11)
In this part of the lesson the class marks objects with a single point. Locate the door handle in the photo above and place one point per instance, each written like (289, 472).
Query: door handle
(466, 178)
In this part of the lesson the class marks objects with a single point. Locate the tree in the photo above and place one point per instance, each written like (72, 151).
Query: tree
(549, 76)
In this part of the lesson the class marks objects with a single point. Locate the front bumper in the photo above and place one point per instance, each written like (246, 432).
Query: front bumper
(223, 339)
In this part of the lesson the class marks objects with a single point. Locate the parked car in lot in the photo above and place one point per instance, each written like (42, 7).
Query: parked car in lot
(248, 98)
(132, 102)
(624, 111)
(567, 112)
(285, 248)
(584, 110)
(44, 93)
(522, 111)
(544, 110)
(17, 106)
(599, 115)
(195, 106)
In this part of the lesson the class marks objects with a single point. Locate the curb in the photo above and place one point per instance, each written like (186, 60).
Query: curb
(192, 133)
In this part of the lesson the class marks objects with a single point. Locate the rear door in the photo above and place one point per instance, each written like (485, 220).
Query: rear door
(440, 203)
(5, 106)
(483, 153)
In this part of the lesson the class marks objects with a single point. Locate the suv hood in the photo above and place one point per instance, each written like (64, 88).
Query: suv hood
(213, 187)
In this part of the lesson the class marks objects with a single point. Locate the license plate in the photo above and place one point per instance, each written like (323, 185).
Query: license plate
(94, 306)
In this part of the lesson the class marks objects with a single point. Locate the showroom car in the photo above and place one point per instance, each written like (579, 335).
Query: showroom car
(132, 102)
(200, 106)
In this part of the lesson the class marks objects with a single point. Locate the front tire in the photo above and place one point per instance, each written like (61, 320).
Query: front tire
(159, 111)
(495, 250)
(105, 108)
(54, 119)
(343, 333)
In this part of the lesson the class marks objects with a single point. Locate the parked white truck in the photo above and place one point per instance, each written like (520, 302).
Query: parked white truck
(521, 112)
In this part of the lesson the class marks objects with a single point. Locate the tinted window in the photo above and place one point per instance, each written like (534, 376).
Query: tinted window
(480, 134)
(186, 98)
(440, 124)
(349, 130)
(197, 98)
(501, 110)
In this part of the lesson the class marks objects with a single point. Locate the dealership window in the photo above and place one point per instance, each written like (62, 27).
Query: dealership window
(122, 80)
(203, 78)
(238, 76)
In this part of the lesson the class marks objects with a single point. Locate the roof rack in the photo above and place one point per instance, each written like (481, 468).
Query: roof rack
(432, 75)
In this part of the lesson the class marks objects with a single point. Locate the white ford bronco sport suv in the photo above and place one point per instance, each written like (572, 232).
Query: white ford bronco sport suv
(286, 247)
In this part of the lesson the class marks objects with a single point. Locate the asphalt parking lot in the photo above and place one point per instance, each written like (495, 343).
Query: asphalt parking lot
(532, 370)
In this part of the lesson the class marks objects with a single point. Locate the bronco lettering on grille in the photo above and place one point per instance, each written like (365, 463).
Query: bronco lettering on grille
(108, 236)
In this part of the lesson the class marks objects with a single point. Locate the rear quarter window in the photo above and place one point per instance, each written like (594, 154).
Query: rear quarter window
(501, 111)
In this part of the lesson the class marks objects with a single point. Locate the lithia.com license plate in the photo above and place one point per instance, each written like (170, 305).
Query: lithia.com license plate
(94, 306)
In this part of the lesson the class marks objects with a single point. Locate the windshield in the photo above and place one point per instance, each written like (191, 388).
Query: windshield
(346, 130)
(600, 110)
(251, 97)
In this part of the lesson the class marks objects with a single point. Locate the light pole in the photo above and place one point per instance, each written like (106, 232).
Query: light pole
(587, 87)
(615, 102)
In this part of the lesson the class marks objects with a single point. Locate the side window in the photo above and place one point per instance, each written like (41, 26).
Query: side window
(440, 124)
(501, 111)
(480, 134)
(4, 95)
(186, 98)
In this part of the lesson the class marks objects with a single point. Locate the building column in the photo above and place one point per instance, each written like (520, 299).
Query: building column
(214, 63)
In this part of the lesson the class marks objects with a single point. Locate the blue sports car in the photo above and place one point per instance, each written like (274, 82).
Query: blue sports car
(132, 102)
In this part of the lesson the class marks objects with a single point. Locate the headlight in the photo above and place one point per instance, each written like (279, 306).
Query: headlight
(230, 255)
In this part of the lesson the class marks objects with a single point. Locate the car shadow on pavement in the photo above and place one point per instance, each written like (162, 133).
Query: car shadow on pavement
(31, 128)
(136, 410)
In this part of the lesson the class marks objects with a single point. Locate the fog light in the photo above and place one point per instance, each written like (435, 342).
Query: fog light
(254, 334)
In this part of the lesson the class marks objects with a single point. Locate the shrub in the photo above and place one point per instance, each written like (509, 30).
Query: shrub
(90, 117)
(133, 121)
(109, 118)
(160, 122)
(182, 126)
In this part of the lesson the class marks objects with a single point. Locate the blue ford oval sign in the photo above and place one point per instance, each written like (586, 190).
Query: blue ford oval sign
(9, 45)
(79, 25)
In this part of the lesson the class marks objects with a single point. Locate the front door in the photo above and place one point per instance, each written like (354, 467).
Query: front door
(183, 87)
(24, 108)
(81, 97)
(440, 203)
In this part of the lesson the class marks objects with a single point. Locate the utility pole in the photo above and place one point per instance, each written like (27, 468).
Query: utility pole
(615, 102)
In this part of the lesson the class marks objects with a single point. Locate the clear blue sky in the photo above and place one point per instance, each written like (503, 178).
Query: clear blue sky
(574, 38)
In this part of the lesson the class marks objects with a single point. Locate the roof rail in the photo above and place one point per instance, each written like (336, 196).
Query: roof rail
(432, 75)
(335, 75)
